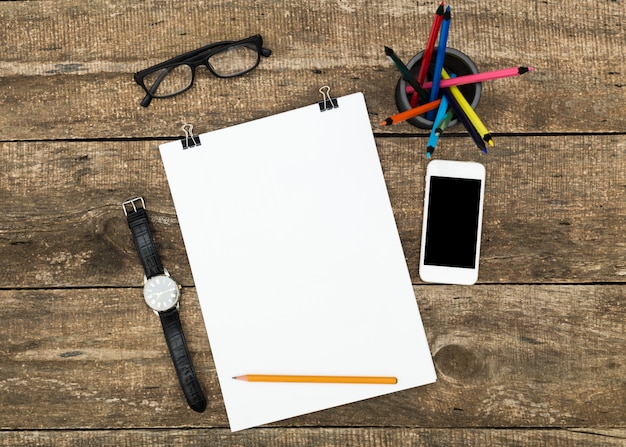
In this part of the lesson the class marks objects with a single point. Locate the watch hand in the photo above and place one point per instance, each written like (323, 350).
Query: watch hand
(158, 294)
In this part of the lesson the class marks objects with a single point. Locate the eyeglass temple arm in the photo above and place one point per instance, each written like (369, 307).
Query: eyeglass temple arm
(145, 102)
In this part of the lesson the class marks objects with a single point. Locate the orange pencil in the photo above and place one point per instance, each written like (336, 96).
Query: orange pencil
(318, 379)
(411, 113)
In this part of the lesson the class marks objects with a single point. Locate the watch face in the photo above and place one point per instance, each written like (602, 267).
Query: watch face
(161, 293)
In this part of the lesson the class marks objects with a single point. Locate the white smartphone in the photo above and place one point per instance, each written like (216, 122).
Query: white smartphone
(453, 214)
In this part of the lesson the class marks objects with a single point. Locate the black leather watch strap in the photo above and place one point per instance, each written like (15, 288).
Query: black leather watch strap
(182, 360)
(170, 320)
(140, 228)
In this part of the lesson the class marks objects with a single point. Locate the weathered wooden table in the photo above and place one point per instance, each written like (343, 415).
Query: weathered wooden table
(533, 355)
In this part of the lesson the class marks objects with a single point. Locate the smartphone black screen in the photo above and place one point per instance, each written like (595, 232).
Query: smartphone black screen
(452, 226)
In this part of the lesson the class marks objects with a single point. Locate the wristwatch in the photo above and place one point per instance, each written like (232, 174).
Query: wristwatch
(162, 295)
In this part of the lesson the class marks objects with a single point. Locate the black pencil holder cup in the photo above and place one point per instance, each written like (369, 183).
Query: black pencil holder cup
(454, 62)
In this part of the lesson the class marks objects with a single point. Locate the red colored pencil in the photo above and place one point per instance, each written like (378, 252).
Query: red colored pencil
(430, 44)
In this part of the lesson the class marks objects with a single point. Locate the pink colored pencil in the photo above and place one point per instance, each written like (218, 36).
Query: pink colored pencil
(480, 77)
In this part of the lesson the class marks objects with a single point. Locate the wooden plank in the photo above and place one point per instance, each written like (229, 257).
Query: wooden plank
(67, 66)
(506, 356)
(322, 437)
(82, 360)
(552, 209)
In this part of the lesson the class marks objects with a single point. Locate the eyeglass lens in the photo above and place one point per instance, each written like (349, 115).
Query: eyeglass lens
(232, 61)
(169, 81)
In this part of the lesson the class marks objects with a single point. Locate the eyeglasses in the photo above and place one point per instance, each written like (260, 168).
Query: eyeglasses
(224, 59)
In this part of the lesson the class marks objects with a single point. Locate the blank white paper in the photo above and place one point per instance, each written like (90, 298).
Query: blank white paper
(297, 260)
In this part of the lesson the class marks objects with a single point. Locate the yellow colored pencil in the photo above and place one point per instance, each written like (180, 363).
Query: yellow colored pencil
(469, 112)
(318, 379)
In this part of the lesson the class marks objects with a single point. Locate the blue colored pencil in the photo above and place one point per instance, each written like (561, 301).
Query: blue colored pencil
(434, 136)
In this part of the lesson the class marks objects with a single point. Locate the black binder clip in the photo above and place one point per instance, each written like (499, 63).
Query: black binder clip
(328, 102)
(189, 140)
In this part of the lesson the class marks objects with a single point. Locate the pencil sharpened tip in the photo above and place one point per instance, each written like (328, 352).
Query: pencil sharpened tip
(387, 122)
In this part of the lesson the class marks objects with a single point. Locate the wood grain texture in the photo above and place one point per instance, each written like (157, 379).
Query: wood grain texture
(319, 437)
(551, 208)
(67, 69)
(532, 356)
(506, 356)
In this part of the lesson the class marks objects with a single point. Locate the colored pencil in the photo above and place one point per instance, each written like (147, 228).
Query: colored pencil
(480, 77)
(467, 109)
(441, 56)
(434, 137)
(444, 123)
(318, 379)
(406, 74)
(430, 44)
(461, 116)
(411, 113)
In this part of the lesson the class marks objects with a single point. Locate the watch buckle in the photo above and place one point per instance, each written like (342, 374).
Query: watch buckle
(132, 204)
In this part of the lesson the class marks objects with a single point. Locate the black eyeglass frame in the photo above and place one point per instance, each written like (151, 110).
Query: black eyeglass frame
(194, 59)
